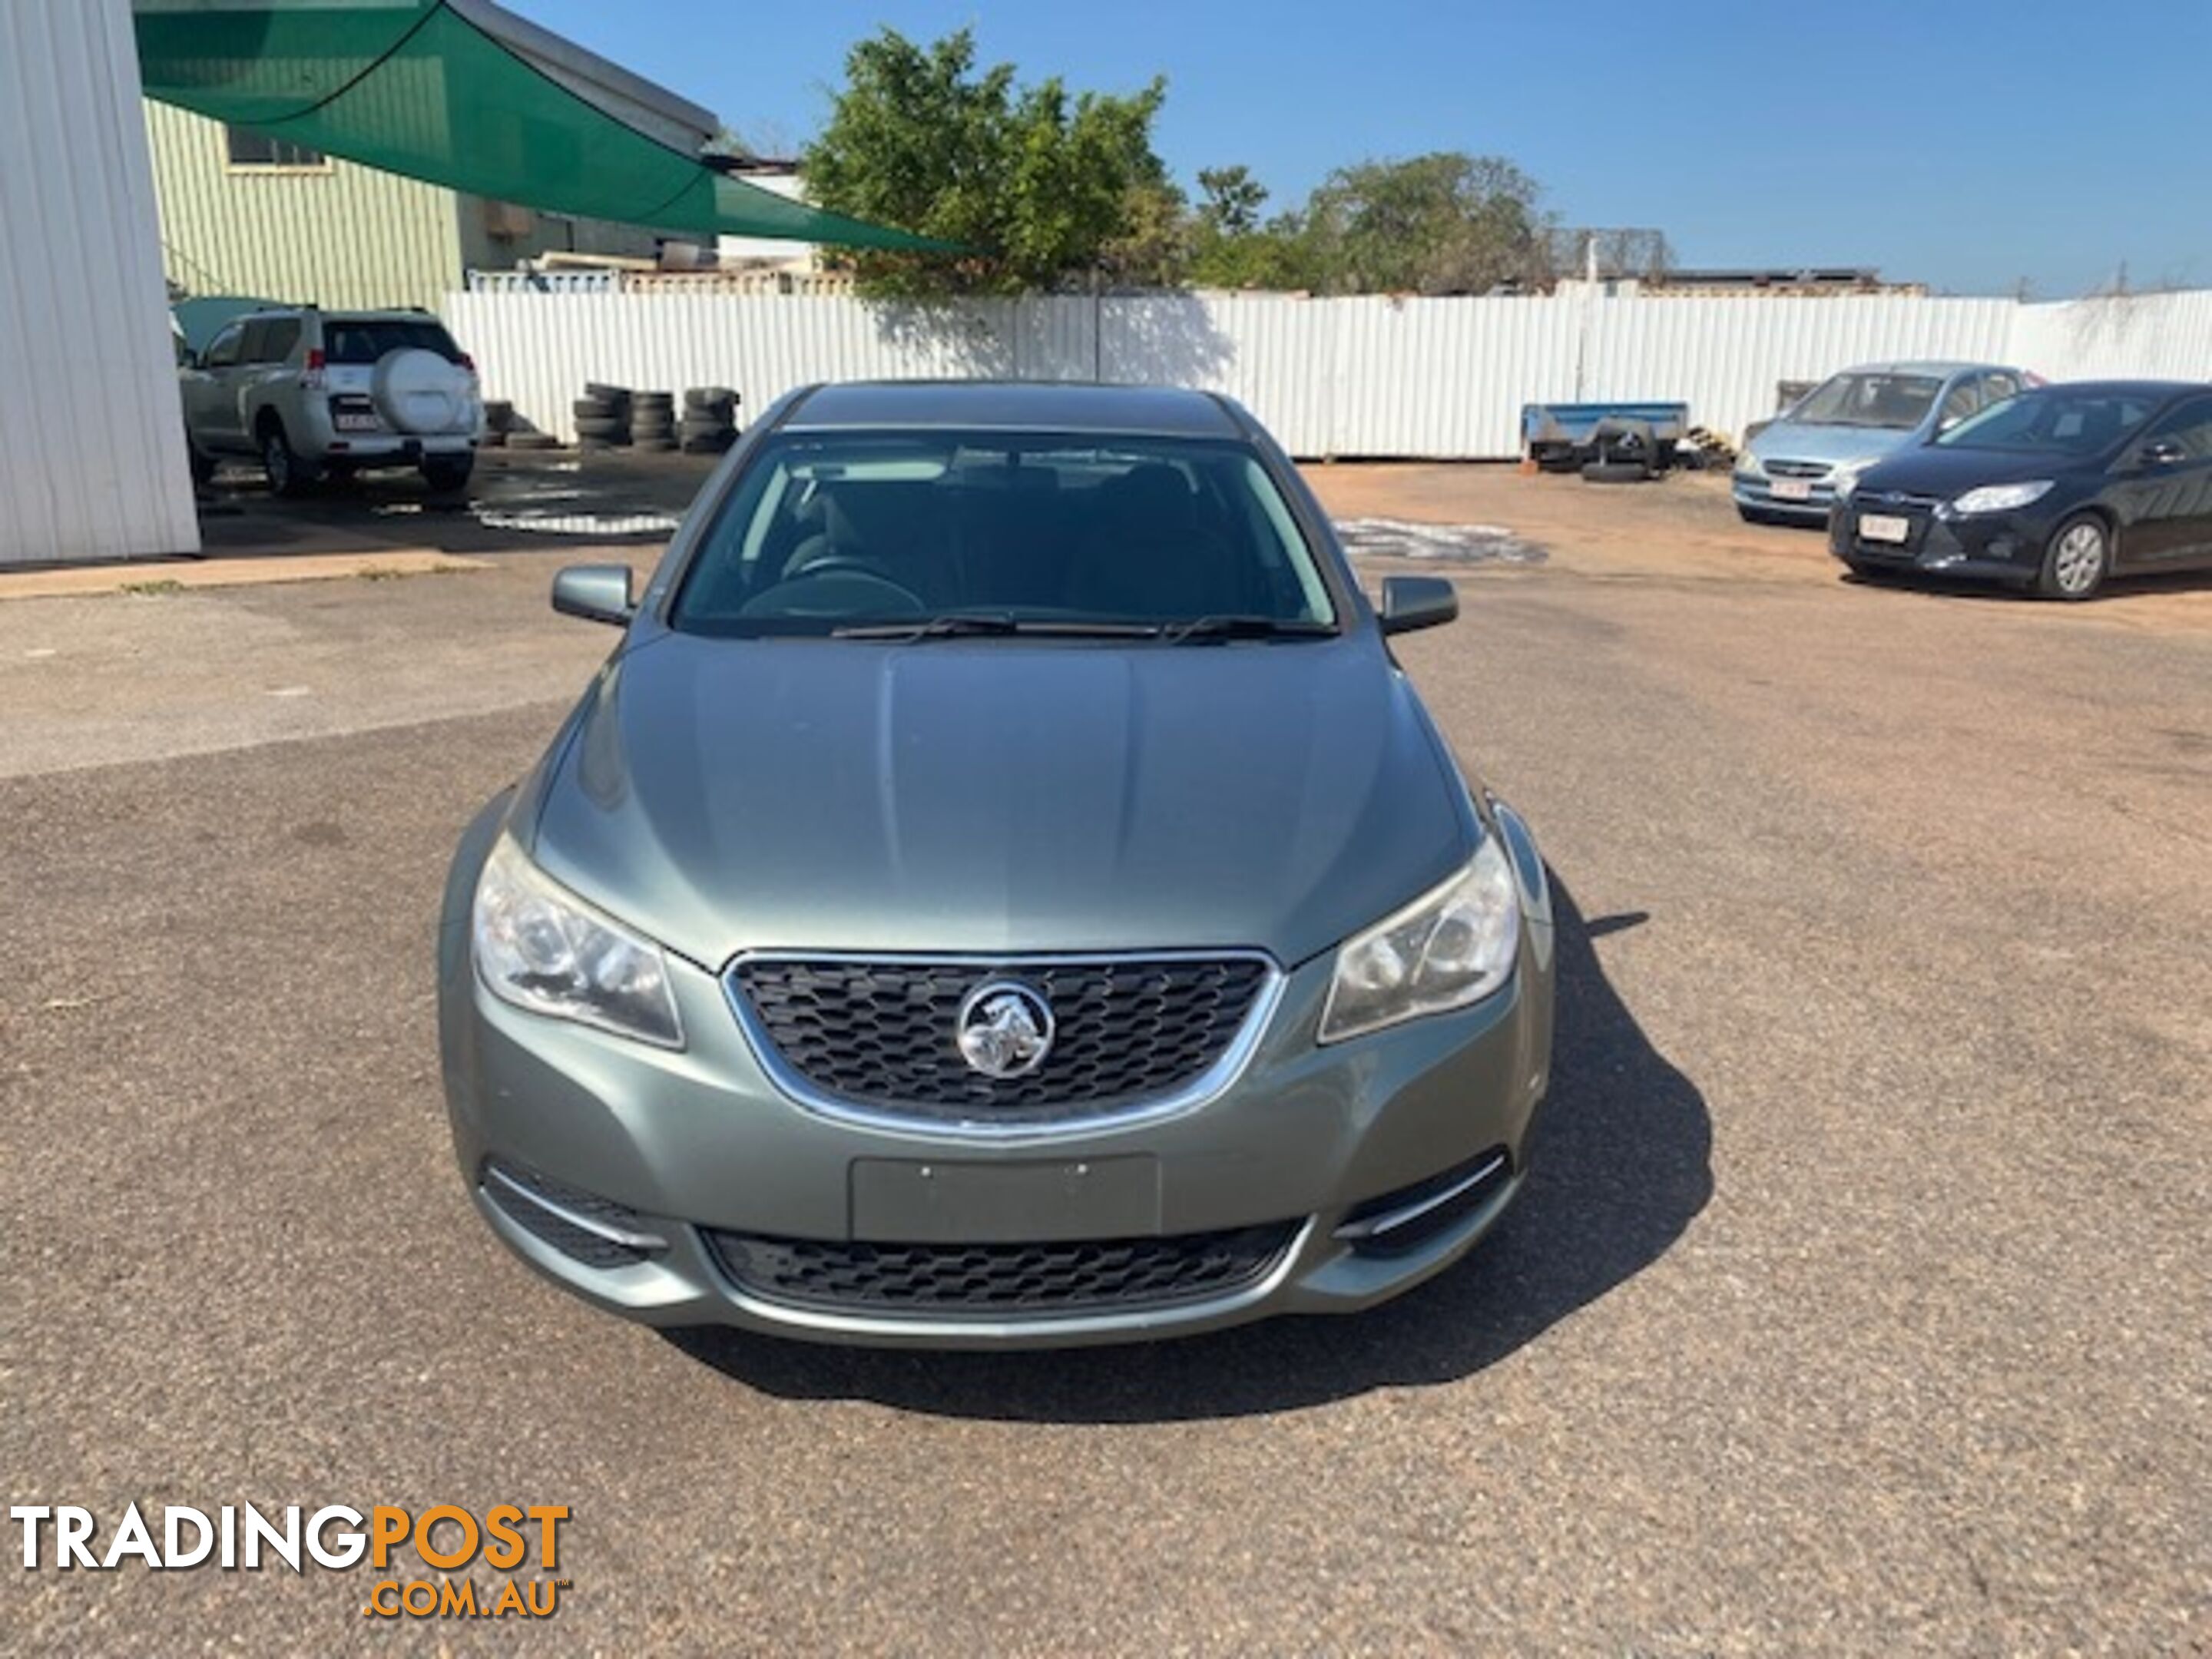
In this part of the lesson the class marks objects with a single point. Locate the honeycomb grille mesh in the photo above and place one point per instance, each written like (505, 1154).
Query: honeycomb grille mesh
(986, 1280)
(882, 1034)
(585, 1246)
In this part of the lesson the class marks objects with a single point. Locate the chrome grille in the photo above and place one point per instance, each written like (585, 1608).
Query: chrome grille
(881, 1033)
(1796, 469)
(987, 1280)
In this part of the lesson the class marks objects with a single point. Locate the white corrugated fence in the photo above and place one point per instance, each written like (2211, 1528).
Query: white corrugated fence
(1380, 376)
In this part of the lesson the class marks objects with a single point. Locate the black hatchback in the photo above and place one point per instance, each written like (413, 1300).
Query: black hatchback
(2054, 489)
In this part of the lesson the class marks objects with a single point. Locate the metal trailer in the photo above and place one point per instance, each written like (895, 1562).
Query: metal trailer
(1607, 441)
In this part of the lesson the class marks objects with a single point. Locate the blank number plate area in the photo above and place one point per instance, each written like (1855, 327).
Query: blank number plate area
(941, 1202)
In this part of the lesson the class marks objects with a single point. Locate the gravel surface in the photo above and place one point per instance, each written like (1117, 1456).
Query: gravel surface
(1860, 1301)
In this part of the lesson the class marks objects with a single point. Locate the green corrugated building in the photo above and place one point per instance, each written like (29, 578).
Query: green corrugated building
(244, 214)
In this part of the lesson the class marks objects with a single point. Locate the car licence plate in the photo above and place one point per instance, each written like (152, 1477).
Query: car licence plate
(1793, 489)
(1884, 527)
(364, 422)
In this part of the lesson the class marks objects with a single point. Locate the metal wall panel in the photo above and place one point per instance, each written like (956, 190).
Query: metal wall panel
(1724, 355)
(92, 452)
(1373, 375)
(342, 234)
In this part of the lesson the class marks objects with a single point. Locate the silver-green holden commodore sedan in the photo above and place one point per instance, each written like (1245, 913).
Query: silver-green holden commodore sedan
(1000, 890)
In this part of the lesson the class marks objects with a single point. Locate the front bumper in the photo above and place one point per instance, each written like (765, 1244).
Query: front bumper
(1308, 1147)
(1997, 547)
(1756, 495)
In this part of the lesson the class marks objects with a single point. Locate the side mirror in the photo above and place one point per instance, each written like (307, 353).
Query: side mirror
(597, 592)
(1411, 602)
(2162, 452)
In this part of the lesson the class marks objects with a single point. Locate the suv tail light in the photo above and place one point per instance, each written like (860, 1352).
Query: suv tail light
(311, 377)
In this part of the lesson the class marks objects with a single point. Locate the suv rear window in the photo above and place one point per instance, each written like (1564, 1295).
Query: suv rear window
(365, 339)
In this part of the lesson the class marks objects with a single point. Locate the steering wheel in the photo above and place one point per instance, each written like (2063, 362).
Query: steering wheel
(832, 563)
(787, 597)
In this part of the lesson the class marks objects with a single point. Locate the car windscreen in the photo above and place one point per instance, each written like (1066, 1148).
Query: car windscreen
(361, 340)
(1870, 398)
(827, 532)
(2054, 420)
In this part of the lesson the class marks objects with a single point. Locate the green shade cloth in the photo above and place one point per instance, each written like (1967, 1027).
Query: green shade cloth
(413, 87)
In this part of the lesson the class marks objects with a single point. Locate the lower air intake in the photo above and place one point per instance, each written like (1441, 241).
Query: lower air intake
(1000, 1281)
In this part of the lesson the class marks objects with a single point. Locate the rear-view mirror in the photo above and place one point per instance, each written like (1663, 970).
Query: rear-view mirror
(597, 592)
(1411, 602)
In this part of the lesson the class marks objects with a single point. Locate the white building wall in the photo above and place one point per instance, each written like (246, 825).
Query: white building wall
(92, 454)
(1373, 375)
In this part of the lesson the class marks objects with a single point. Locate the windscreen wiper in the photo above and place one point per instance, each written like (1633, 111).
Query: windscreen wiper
(1243, 627)
(968, 623)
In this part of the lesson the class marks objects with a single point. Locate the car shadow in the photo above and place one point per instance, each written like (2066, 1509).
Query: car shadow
(1621, 1165)
(517, 503)
(1934, 584)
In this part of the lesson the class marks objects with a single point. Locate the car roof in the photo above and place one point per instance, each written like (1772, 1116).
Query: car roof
(402, 315)
(2129, 388)
(1031, 405)
(1928, 366)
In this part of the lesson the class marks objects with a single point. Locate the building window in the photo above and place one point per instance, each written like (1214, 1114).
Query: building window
(242, 149)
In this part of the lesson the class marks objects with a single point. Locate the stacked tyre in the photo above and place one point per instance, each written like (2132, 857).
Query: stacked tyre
(653, 420)
(603, 416)
(710, 420)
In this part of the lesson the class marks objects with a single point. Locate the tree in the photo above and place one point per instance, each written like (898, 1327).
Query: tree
(1229, 247)
(1233, 199)
(1442, 223)
(1040, 187)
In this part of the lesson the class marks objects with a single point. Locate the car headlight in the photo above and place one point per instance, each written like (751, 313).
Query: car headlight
(540, 947)
(1844, 477)
(1453, 945)
(1747, 466)
(2002, 498)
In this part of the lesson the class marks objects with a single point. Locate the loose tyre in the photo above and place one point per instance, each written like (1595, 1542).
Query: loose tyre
(1615, 471)
(2076, 560)
(447, 473)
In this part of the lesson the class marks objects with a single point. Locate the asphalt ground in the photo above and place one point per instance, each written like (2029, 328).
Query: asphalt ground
(1860, 1302)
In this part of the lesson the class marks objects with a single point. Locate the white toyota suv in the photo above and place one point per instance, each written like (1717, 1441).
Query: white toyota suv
(319, 394)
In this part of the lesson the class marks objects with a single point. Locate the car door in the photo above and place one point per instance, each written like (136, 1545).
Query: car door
(210, 411)
(2165, 489)
(268, 343)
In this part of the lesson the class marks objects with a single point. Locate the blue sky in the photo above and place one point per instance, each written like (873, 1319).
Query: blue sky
(1966, 143)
